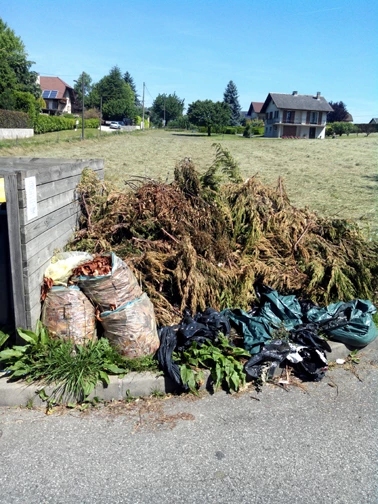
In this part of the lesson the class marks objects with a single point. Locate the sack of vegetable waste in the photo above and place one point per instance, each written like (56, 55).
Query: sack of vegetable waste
(68, 314)
(131, 328)
(107, 281)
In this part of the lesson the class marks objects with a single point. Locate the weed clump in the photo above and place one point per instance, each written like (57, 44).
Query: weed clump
(204, 240)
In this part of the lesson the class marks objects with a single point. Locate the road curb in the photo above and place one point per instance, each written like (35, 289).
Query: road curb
(132, 385)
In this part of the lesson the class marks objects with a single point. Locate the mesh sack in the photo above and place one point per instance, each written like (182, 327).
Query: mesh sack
(68, 314)
(131, 328)
(109, 292)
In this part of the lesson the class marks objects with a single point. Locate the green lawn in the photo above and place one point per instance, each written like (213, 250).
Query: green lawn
(336, 177)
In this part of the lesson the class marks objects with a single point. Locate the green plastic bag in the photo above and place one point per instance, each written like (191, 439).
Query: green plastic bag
(350, 323)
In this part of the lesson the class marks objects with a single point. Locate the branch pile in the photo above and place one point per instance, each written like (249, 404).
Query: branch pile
(205, 240)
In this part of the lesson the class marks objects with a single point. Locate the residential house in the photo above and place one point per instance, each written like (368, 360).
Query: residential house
(59, 96)
(254, 111)
(294, 115)
(374, 120)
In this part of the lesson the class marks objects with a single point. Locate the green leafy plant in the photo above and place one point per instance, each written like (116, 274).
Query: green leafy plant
(352, 357)
(224, 361)
(72, 370)
(3, 338)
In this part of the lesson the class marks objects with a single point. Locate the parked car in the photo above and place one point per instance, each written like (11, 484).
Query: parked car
(114, 125)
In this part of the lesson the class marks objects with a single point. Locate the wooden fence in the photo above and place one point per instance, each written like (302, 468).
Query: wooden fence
(42, 213)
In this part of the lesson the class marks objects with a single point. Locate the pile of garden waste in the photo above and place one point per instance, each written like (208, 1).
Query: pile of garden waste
(208, 239)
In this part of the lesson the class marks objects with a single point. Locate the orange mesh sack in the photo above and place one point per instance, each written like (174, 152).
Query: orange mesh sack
(68, 314)
(131, 328)
(113, 290)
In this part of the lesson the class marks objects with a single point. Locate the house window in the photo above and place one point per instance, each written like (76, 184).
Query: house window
(276, 114)
(289, 116)
(270, 115)
(51, 105)
(313, 117)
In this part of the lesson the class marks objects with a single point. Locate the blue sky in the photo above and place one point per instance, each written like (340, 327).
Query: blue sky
(195, 47)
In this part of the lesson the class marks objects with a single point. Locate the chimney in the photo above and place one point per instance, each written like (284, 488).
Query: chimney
(318, 95)
(295, 93)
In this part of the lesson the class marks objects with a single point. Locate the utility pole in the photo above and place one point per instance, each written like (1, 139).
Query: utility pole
(143, 107)
(100, 113)
(82, 106)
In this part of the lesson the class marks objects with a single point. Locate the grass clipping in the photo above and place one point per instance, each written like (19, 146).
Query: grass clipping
(204, 240)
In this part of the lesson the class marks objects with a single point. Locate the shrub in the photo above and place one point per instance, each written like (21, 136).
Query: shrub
(13, 119)
(366, 128)
(329, 130)
(72, 370)
(180, 123)
(254, 127)
(92, 114)
(342, 127)
(46, 123)
(91, 123)
(233, 130)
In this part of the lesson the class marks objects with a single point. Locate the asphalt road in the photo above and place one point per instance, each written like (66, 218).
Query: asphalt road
(312, 444)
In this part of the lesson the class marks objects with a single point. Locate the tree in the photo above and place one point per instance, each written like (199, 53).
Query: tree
(166, 108)
(85, 79)
(231, 97)
(339, 114)
(367, 128)
(15, 73)
(118, 99)
(209, 114)
(130, 81)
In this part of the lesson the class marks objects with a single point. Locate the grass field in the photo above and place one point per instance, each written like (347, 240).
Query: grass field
(335, 177)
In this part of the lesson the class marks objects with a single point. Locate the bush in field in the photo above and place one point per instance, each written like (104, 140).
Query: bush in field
(341, 128)
(329, 130)
(180, 123)
(254, 127)
(233, 130)
(92, 113)
(367, 128)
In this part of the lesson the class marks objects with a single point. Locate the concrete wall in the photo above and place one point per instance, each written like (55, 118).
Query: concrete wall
(13, 133)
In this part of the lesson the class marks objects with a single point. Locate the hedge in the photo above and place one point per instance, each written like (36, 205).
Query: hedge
(13, 119)
(47, 123)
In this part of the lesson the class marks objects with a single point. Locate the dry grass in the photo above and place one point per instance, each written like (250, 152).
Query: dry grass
(335, 177)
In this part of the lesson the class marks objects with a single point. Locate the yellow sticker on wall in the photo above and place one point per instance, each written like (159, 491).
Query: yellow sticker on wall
(2, 191)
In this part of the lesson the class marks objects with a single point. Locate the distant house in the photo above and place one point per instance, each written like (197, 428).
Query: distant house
(374, 120)
(59, 96)
(254, 111)
(294, 115)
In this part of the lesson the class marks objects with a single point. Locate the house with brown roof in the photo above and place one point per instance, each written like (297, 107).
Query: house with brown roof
(295, 116)
(58, 95)
(254, 111)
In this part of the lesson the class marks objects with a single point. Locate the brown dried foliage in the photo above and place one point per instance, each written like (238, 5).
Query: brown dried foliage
(99, 266)
(194, 247)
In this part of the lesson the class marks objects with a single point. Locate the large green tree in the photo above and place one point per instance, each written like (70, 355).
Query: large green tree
(15, 73)
(166, 108)
(231, 98)
(130, 81)
(118, 99)
(209, 114)
(85, 79)
(339, 114)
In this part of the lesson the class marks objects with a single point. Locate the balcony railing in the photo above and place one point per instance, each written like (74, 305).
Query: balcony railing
(299, 122)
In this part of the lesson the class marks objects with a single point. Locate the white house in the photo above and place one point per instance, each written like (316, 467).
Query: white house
(295, 116)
